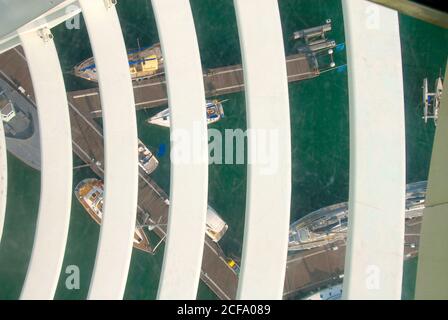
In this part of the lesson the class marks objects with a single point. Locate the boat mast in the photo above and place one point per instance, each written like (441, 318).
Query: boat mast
(139, 52)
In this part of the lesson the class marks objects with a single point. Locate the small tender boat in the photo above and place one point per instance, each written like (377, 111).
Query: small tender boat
(89, 193)
(214, 113)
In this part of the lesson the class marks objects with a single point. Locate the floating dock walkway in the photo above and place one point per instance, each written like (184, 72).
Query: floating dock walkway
(152, 93)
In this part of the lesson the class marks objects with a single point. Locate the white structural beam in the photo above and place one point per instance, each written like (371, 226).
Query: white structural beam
(374, 259)
(432, 280)
(189, 162)
(120, 150)
(29, 15)
(3, 179)
(56, 166)
(269, 178)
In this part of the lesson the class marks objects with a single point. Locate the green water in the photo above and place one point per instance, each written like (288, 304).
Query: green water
(320, 139)
(319, 121)
(18, 231)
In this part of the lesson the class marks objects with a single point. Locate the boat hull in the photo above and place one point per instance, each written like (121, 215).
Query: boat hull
(329, 224)
(87, 69)
(214, 113)
(141, 241)
(146, 159)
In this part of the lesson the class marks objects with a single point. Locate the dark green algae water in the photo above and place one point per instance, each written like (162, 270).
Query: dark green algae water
(320, 139)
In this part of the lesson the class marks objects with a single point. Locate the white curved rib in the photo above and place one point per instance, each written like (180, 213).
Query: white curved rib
(189, 176)
(52, 18)
(268, 184)
(374, 259)
(121, 157)
(3, 179)
(56, 167)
